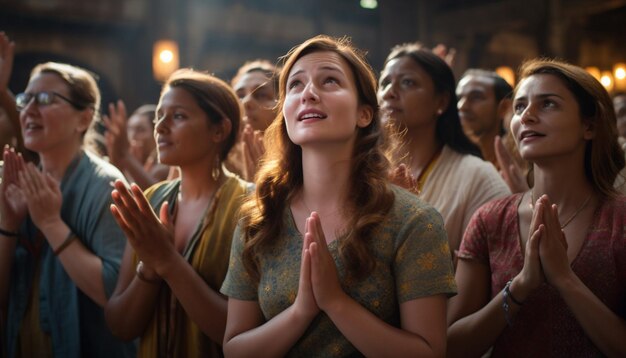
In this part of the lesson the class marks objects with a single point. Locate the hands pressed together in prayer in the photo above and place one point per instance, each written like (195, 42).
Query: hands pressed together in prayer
(319, 287)
(26, 190)
(545, 258)
(13, 207)
(253, 149)
(151, 236)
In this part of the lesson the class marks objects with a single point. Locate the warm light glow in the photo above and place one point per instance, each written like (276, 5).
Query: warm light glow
(619, 71)
(594, 71)
(164, 59)
(369, 4)
(166, 56)
(607, 80)
(507, 73)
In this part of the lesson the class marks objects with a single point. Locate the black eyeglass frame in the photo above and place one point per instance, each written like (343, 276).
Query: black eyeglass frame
(25, 98)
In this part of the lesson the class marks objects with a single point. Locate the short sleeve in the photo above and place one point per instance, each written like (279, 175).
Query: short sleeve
(474, 243)
(423, 264)
(238, 284)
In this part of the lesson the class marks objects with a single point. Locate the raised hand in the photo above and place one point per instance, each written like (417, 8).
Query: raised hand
(401, 176)
(445, 53)
(510, 171)
(151, 237)
(116, 138)
(13, 209)
(43, 196)
(324, 277)
(253, 150)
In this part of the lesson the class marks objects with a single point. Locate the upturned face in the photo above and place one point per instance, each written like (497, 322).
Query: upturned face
(256, 93)
(546, 122)
(321, 102)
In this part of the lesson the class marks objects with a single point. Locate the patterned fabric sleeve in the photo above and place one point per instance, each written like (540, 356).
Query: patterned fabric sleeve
(422, 264)
(474, 243)
(238, 284)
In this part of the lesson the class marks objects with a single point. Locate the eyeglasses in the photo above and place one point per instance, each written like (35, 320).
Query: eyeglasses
(42, 99)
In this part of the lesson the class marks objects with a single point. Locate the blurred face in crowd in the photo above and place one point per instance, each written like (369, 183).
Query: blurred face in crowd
(258, 97)
(407, 95)
(619, 103)
(546, 122)
(477, 105)
(140, 135)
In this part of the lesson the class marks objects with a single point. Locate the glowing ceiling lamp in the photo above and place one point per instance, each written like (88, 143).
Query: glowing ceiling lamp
(619, 72)
(369, 4)
(607, 80)
(164, 59)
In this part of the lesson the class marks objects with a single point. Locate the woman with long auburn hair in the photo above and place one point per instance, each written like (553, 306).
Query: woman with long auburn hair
(329, 258)
(543, 272)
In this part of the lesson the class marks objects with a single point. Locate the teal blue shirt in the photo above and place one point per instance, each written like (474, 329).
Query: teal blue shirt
(75, 323)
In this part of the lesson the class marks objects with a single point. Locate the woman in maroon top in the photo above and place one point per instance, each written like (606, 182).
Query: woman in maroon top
(543, 273)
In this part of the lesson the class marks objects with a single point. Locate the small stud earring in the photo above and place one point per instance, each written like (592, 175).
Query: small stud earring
(439, 111)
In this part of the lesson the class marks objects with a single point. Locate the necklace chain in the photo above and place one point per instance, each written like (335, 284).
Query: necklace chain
(571, 218)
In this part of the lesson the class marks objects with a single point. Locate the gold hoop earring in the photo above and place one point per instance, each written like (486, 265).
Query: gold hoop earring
(216, 172)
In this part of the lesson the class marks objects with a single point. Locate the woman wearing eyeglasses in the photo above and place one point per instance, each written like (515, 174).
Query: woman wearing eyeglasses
(60, 248)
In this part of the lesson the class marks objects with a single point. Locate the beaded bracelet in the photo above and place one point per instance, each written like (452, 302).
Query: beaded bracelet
(506, 294)
(505, 307)
(507, 289)
(9, 233)
(68, 240)
(142, 277)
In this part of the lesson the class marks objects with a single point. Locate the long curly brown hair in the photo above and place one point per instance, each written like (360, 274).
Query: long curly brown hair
(280, 176)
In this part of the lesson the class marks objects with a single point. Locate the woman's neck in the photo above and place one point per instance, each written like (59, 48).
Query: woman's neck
(564, 182)
(326, 178)
(197, 182)
(420, 146)
(57, 161)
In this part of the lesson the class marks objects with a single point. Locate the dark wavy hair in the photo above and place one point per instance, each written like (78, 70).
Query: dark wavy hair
(280, 176)
(448, 129)
(214, 96)
(604, 158)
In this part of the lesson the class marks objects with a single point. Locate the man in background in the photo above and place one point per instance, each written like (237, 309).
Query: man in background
(484, 102)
